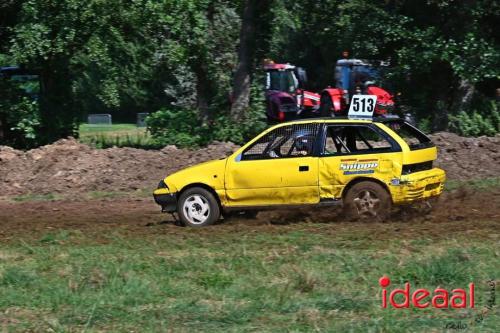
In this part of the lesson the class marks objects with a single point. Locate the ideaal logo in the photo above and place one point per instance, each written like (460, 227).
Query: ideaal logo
(356, 167)
(440, 299)
(423, 298)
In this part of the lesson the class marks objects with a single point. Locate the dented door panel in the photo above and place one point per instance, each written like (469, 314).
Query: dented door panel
(335, 172)
(272, 181)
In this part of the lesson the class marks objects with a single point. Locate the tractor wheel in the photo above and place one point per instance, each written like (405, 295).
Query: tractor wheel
(326, 106)
(367, 201)
(198, 207)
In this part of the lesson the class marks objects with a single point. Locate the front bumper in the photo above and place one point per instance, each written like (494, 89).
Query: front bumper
(419, 186)
(167, 200)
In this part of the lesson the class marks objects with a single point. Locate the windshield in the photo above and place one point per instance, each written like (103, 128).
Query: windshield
(363, 74)
(412, 136)
(281, 81)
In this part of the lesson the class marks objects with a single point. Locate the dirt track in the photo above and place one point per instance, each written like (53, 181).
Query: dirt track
(457, 212)
(72, 169)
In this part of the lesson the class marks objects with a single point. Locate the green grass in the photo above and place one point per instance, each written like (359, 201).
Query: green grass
(86, 129)
(37, 197)
(477, 184)
(119, 135)
(292, 281)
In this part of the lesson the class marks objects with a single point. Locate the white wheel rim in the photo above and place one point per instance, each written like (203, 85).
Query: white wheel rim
(196, 209)
(367, 203)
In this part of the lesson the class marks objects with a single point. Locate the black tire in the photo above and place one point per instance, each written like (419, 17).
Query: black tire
(367, 201)
(326, 107)
(198, 207)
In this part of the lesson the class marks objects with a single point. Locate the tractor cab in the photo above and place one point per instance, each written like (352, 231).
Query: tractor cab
(284, 77)
(286, 97)
(355, 75)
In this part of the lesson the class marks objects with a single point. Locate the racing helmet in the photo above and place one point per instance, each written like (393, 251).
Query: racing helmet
(304, 140)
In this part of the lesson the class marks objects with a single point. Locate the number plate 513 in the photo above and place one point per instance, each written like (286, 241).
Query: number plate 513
(362, 106)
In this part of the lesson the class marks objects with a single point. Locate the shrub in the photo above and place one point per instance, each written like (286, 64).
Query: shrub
(182, 128)
(476, 123)
(19, 117)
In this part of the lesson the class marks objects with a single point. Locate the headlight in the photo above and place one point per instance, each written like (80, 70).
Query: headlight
(162, 184)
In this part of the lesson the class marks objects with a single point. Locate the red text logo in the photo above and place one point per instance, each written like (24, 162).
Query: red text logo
(423, 298)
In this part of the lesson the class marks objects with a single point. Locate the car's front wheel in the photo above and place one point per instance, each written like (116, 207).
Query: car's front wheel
(368, 201)
(197, 207)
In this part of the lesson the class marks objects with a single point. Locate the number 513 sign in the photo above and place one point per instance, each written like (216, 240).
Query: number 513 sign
(362, 106)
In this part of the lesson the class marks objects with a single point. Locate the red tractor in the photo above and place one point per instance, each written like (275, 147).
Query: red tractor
(287, 99)
(285, 95)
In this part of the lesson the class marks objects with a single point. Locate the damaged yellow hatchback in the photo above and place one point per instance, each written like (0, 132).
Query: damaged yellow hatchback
(365, 165)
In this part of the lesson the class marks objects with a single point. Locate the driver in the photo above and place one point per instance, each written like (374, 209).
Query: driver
(304, 144)
(300, 143)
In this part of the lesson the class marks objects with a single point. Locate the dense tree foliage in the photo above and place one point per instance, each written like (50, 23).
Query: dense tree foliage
(198, 61)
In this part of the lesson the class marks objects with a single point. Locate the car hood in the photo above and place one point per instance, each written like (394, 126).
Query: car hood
(210, 173)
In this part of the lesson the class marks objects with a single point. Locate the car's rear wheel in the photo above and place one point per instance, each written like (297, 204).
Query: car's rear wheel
(367, 201)
(197, 207)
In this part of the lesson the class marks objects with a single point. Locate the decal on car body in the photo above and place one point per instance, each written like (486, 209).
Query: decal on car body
(356, 167)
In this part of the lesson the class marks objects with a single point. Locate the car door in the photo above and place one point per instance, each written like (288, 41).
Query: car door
(354, 150)
(277, 169)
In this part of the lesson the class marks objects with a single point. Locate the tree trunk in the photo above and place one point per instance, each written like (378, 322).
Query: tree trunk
(463, 96)
(242, 81)
(58, 116)
(1, 131)
(203, 89)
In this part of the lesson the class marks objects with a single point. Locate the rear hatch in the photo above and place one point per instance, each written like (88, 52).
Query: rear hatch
(422, 151)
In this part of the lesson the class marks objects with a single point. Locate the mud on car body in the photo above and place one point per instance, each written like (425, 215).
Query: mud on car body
(365, 165)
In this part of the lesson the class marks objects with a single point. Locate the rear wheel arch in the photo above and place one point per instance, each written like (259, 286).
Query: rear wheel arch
(357, 180)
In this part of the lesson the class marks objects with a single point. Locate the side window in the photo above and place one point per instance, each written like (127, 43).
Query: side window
(412, 136)
(354, 139)
(284, 142)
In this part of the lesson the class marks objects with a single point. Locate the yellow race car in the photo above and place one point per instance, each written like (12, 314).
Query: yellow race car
(364, 165)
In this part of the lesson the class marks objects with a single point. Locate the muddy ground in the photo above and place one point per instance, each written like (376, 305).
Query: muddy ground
(69, 167)
(457, 212)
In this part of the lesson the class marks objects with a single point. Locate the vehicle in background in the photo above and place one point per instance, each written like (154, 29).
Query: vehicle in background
(287, 99)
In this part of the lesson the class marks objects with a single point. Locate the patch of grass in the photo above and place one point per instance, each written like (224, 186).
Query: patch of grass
(198, 281)
(36, 197)
(55, 238)
(86, 129)
(478, 184)
(452, 268)
(116, 135)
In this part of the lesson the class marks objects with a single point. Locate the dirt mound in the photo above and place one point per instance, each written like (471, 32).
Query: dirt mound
(68, 166)
(467, 158)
